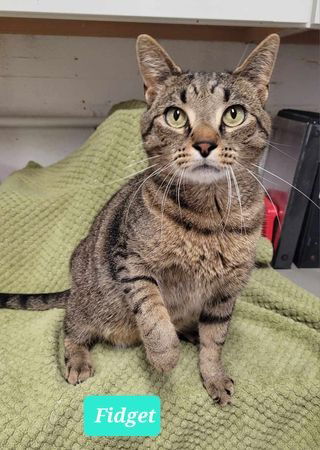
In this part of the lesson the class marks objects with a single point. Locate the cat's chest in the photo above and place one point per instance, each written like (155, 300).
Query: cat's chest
(191, 270)
(184, 295)
(195, 270)
(201, 256)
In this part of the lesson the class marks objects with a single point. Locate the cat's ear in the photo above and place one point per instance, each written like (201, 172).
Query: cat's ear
(154, 63)
(259, 65)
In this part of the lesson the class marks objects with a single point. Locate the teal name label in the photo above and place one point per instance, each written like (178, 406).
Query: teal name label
(122, 415)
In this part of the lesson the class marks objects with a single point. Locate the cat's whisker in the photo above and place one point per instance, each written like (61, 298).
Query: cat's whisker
(163, 181)
(131, 175)
(281, 151)
(142, 160)
(239, 199)
(263, 177)
(178, 193)
(155, 172)
(289, 184)
(166, 191)
(280, 143)
(229, 199)
(265, 190)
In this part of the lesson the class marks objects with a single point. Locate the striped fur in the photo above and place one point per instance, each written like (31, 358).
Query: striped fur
(39, 302)
(170, 252)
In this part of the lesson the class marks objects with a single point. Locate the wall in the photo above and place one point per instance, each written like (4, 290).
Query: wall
(79, 76)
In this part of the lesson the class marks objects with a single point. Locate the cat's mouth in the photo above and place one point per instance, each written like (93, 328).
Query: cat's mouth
(206, 167)
(204, 172)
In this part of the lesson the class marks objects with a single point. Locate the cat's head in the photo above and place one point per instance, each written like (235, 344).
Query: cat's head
(200, 124)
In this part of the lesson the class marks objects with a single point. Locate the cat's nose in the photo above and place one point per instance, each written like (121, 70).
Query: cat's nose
(205, 147)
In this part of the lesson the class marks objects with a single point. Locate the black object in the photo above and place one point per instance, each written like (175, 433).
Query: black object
(293, 155)
(308, 249)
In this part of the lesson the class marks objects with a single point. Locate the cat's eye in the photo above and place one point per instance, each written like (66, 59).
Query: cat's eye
(176, 117)
(233, 116)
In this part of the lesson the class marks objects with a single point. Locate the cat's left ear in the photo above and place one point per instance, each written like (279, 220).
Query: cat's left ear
(259, 65)
(155, 65)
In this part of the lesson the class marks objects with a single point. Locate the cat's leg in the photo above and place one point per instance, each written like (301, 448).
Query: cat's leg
(78, 337)
(156, 329)
(213, 327)
(214, 322)
(78, 362)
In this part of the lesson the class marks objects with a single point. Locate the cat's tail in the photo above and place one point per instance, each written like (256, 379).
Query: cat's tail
(36, 302)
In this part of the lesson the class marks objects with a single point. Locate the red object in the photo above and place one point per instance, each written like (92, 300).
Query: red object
(280, 199)
(270, 215)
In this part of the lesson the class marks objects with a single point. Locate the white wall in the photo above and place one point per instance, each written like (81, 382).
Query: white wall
(43, 145)
(81, 76)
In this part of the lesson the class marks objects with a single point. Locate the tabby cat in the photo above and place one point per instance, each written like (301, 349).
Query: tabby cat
(170, 252)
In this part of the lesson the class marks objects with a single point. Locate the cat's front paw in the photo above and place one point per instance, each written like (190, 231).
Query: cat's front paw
(221, 388)
(163, 348)
(78, 371)
(166, 360)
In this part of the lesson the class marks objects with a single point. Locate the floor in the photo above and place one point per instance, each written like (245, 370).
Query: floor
(308, 279)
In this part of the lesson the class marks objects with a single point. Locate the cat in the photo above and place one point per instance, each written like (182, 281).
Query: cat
(171, 251)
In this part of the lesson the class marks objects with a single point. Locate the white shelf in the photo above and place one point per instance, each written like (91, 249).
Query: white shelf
(315, 18)
(288, 13)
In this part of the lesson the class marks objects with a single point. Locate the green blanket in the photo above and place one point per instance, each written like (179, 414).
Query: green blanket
(49, 210)
(272, 351)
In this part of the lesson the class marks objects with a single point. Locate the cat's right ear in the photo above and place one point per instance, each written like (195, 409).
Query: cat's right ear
(155, 65)
(258, 66)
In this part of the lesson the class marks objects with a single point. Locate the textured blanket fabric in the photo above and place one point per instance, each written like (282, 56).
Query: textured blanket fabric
(272, 350)
(49, 210)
